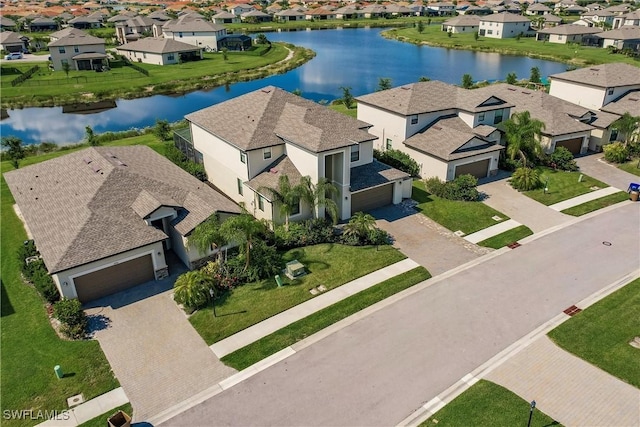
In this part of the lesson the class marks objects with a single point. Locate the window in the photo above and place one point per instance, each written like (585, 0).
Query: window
(239, 181)
(355, 153)
(610, 91)
(180, 34)
(170, 57)
(266, 153)
(489, 31)
(295, 208)
(144, 54)
(76, 49)
(414, 119)
(481, 117)
(389, 144)
(614, 135)
(243, 157)
(61, 49)
(261, 203)
(498, 117)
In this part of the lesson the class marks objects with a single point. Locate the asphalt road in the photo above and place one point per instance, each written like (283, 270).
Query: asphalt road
(379, 370)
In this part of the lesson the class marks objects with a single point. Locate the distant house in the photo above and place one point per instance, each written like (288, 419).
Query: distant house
(192, 30)
(504, 25)
(476, 10)
(238, 42)
(134, 28)
(239, 9)
(13, 42)
(319, 14)
(159, 51)
(441, 9)
(121, 17)
(538, 9)
(85, 22)
(568, 33)
(225, 18)
(78, 49)
(462, 24)
(399, 10)
(348, 12)
(599, 17)
(374, 11)
(627, 37)
(159, 15)
(628, 19)
(42, 24)
(289, 15)
(256, 16)
(7, 24)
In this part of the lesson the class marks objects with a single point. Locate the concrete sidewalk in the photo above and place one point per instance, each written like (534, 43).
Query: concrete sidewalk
(566, 204)
(567, 388)
(300, 311)
(494, 230)
(89, 410)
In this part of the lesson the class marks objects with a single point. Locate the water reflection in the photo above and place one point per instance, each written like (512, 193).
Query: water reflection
(354, 58)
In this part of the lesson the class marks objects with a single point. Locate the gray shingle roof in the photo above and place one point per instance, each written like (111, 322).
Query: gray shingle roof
(66, 32)
(504, 17)
(265, 117)
(224, 15)
(569, 29)
(189, 23)
(374, 174)
(157, 45)
(627, 103)
(270, 177)
(78, 215)
(463, 20)
(603, 75)
(9, 37)
(626, 32)
(77, 39)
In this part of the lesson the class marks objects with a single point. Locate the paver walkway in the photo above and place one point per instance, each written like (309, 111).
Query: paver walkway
(594, 166)
(494, 230)
(89, 409)
(568, 389)
(566, 204)
(300, 311)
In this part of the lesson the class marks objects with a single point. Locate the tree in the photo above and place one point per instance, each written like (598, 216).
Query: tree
(91, 137)
(243, 229)
(535, 75)
(627, 125)
(261, 39)
(360, 225)
(347, 97)
(320, 194)
(467, 81)
(420, 26)
(225, 53)
(285, 195)
(449, 33)
(192, 288)
(384, 83)
(207, 235)
(297, 92)
(523, 136)
(424, 79)
(162, 130)
(66, 67)
(476, 36)
(512, 78)
(14, 149)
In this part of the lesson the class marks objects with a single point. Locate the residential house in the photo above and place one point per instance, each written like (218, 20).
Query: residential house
(600, 18)
(78, 49)
(13, 42)
(398, 10)
(441, 9)
(547, 21)
(476, 10)
(462, 24)
(538, 9)
(239, 9)
(374, 11)
(42, 24)
(290, 15)
(85, 22)
(319, 14)
(448, 130)
(256, 16)
(7, 24)
(348, 12)
(159, 51)
(192, 30)
(504, 25)
(135, 28)
(105, 219)
(628, 19)
(627, 37)
(121, 17)
(567, 33)
(64, 33)
(225, 18)
(248, 142)
(159, 15)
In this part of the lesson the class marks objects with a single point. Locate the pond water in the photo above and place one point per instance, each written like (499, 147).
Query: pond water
(354, 58)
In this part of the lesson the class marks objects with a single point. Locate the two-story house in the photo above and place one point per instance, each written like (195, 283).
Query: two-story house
(448, 130)
(192, 29)
(248, 142)
(134, 28)
(79, 50)
(504, 25)
(631, 18)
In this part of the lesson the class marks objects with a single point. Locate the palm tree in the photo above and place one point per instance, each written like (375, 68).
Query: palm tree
(523, 136)
(192, 288)
(627, 125)
(243, 230)
(207, 235)
(285, 195)
(360, 225)
(318, 195)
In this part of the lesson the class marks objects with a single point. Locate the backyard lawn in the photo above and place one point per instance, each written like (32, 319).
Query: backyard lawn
(455, 215)
(487, 404)
(600, 203)
(331, 265)
(506, 238)
(563, 185)
(601, 334)
(297, 331)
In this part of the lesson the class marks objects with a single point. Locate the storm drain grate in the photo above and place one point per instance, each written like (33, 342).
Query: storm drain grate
(513, 245)
(572, 310)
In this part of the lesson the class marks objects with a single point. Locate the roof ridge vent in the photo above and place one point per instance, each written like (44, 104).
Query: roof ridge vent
(120, 162)
(96, 168)
(273, 170)
(87, 160)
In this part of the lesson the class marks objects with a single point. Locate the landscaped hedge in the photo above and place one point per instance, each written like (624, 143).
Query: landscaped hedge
(174, 154)
(398, 160)
(74, 321)
(462, 188)
(36, 272)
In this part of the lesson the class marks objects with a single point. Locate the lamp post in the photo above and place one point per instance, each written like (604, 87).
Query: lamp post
(213, 301)
(533, 406)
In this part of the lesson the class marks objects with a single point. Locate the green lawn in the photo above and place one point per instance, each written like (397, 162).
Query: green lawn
(455, 215)
(601, 334)
(506, 238)
(526, 46)
(562, 186)
(315, 322)
(487, 404)
(600, 203)
(101, 420)
(632, 166)
(332, 23)
(340, 108)
(331, 265)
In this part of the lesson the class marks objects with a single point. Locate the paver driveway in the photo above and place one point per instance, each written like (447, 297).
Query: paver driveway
(594, 166)
(159, 359)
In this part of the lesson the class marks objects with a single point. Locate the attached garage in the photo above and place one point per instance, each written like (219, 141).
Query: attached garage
(479, 169)
(373, 198)
(114, 279)
(574, 145)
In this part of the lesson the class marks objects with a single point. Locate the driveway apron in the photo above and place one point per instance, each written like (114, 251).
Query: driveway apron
(595, 166)
(155, 353)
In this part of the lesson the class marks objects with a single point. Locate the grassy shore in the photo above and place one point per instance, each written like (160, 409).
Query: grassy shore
(525, 46)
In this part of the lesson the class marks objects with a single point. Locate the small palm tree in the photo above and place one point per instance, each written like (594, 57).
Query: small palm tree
(285, 196)
(243, 229)
(207, 235)
(192, 288)
(627, 125)
(318, 195)
(523, 136)
(360, 225)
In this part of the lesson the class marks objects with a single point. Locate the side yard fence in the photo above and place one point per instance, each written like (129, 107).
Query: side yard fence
(24, 76)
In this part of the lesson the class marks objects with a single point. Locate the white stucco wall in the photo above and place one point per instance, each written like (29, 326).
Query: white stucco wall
(151, 58)
(504, 30)
(385, 125)
(366, 154)
(257, 163)
(306, 162)
(208, 39)
(70, 52)
(458, 29)
(585, 95)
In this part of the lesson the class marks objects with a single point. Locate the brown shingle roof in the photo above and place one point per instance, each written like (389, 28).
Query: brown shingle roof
(504, 17)
(627, 103)
(77, 39)
(265, 117)
(626, 32)
(374, 174)
(157, 45)
(270, 177)
(569, 29)
(603, 75)
(80, 207)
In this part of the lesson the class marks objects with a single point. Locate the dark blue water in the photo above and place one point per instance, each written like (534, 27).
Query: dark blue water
(354, 58)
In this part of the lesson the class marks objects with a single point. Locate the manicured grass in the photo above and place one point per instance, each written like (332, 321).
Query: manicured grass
(526, 46)
(600, 203)
(601, 334)
(303, 328)
(331, 265)
(632, 166)
(340, 108)
(487, 404)
(101, 420)
(506, 238)
(562, 186)
(455, 215)
(400, 21)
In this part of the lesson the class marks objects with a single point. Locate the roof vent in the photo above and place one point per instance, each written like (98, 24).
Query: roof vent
(594, 69)
(633, 99)
(511, 89)
(265, 91)
(109, 154)
(120, 163)
(87, 160)
(405, 87)
(526, 93)
(96, 168)
(273, 170)
(437, 127)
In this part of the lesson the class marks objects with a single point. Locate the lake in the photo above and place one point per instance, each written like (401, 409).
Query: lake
(354, 58)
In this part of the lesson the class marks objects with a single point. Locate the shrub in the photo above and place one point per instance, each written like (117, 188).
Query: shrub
(398, 160)
(462, 188)
(44, 285)
(562, 159)
(616, 152)
(28, 249)
(508, 164)
(266, 262)
(525, 179)
(69, 313)
(309, 232)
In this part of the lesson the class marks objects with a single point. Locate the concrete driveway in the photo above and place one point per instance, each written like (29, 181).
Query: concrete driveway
(424, 240)
(155, 353)
(595, 166)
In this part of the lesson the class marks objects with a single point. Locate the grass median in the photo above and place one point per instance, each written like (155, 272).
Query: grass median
(563, 185)
(315, 322)
(594, 205)
(506, 238)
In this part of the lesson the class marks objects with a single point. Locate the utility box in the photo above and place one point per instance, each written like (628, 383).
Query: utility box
(294, 269)
(119, 419)
(58, 370)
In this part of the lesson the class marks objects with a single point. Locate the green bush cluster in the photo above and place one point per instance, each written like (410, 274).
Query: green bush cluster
(74, 321)
(562, 159)
(375, 236)
(36, 272)
(398, 160)
(174, 154)
(462, 188)
(304, 233)
(616, 152)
